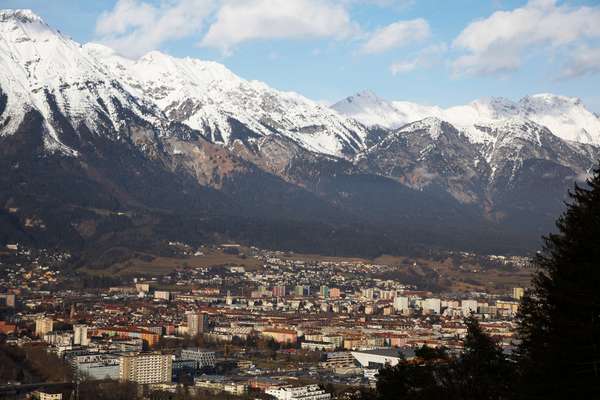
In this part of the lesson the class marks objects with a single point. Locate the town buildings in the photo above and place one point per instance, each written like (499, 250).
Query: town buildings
(340, 321)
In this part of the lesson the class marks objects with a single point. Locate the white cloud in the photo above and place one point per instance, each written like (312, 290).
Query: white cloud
(498, 43)
(240, 21)
(426, 58)
(395, 35)
(135, 27)
(402, 67)
(397, 4)
(583, 61)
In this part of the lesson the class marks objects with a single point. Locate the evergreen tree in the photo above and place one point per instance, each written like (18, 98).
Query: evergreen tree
(559, 318)
(417, 379)
(480, 373)
(483, 371)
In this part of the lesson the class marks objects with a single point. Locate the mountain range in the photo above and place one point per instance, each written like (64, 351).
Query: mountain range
(110, 157)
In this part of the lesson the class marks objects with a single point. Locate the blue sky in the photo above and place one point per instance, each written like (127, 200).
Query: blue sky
(427, 51)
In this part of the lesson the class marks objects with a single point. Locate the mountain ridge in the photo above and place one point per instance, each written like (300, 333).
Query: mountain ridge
(160, 148)
(566, 117)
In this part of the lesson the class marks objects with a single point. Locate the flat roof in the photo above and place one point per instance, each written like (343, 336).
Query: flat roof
(389, 352)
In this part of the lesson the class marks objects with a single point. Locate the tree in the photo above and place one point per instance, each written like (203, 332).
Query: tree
(483, 372)
(559, 318)
(480, 373)
(420, 379)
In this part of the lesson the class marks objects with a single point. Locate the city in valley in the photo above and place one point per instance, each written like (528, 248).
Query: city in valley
(228, 320)
(299, 200)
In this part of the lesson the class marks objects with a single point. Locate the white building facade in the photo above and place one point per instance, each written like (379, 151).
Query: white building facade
(146, 368)
(308, 392)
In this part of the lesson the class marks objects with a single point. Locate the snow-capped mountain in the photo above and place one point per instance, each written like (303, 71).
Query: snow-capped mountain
(566, 117)
(38, 61)
(43, 70)
(431, 153)
(224, 107)
(193, 150)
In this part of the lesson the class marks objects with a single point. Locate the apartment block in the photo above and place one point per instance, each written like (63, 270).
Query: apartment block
(145, 368)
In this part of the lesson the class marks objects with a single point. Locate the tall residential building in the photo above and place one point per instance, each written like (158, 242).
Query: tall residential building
(279, 291)
(432, 305)
(368, 293)
(80, 334)
(145, 368)
(300, 291)
(401, 304)
(43, 325)
(324, 292)
(197, 323)
(8, 299)
(142, 287)
(518, 293)
(468, 307)
(387, 294)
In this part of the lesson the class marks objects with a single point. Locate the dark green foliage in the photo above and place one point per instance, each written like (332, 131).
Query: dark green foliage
(108, 390)
(484, 372)
(559, 319)
(30, 365)
(418, 380)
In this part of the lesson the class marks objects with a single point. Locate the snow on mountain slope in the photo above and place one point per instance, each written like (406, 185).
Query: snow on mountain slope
(431, 153)
(208, 97)
(43, 70)
(566, 117)
(372, 110)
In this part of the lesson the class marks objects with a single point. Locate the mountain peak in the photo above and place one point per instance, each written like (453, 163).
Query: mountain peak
(433, 125)
(20, 15)
(371, 110)
(495, 107)
(155, 55)
(550, 100)
(367, 94)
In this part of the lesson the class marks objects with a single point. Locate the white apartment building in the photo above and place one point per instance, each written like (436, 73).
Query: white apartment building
(308, 392)
(48, 396)
(339, 359)
(59, 339)
(97, 366)
(43, 325)
(203, 358)
(80, 335)
(146, 368)
(400, 303)
(162, 295)
(432, 305)
(468, 307)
